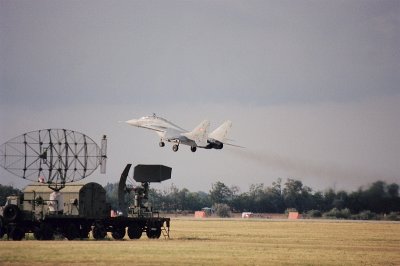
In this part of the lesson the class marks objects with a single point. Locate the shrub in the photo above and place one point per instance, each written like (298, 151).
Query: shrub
(367, 215)
(393, 216)
(313, 214)
(338, 214)
(222, 210)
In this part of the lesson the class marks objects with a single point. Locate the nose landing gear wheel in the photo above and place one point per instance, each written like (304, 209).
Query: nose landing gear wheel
(162, 144)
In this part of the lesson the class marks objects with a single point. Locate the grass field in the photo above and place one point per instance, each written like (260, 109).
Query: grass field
(226, 242)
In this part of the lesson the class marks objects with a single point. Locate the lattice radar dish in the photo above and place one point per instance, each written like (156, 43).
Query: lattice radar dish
(53, 156)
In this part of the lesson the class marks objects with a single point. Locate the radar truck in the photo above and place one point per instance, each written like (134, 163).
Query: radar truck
(79, 209)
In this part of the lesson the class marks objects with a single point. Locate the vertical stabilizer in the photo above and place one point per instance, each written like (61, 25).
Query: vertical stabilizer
(221, 132)
(200, 133)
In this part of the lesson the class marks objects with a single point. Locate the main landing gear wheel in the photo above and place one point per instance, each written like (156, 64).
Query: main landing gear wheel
(162, 144)
(193, 149)
(175, 147)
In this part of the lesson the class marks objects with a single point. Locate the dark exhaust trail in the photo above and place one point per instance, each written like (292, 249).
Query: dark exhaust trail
(303, 168)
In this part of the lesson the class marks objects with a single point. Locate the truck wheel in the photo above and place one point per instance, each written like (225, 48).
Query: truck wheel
(118, 233)
(2, 229)
(44, 232)
(84, 231)
(11, 213)
(153, 232)
(71, 232)
(135, 231)
(17, 233)
(99, 232)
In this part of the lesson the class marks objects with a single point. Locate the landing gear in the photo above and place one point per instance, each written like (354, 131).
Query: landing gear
(193, 149)
(175, 147)
(162, 144)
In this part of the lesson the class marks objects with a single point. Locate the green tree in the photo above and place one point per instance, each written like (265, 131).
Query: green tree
(220, 193)
(222, 210)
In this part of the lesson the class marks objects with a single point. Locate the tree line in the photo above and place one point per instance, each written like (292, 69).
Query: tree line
(378, 198)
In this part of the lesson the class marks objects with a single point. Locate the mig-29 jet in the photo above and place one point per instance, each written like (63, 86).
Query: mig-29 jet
(197, 138)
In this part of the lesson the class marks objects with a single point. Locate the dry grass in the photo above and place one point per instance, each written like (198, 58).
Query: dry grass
(226, 242)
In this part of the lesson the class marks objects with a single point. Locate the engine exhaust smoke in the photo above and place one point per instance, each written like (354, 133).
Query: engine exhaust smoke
(304, 168)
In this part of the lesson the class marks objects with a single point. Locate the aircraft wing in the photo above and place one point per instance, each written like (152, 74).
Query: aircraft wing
(147, 124)
(158, 129)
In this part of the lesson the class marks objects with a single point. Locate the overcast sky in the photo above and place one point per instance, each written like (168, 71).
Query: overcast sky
(312, 87)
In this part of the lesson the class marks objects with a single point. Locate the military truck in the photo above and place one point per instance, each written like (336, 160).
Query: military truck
(79, 209)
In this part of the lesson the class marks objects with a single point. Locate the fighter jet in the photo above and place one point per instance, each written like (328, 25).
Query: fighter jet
(197, 138)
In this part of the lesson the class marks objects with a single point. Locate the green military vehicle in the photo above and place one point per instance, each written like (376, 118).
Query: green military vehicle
(79, 209)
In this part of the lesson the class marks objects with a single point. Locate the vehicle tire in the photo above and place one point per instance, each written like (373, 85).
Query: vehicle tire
(43, 232)
(84, 231)
(2, 229)
(17, 234)
(37, 235)
(11, 213)
(135, 232)
(118, 233)
(162, 144)
(71, 232)
(193, 149)
(175, 148)
(153, 232)
(99, 232)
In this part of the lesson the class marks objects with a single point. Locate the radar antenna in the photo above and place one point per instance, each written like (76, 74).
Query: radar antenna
(53, 156)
